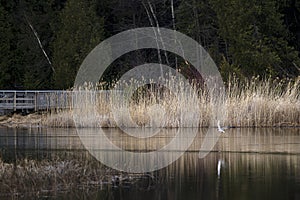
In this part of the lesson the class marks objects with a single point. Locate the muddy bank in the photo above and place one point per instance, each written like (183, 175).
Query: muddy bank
(18, 120)
(65, 120)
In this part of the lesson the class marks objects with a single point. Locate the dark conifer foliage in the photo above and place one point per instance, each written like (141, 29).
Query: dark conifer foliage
(43, 43)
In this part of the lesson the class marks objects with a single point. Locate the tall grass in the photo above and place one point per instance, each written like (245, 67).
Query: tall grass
(47, 178)
(247, 103)
(263, 103)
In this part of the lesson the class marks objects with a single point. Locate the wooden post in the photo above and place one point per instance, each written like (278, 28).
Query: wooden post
(25, 96)
(35, 101)
(15, 101)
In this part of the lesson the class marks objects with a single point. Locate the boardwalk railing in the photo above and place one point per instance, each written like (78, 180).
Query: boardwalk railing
(32, 100)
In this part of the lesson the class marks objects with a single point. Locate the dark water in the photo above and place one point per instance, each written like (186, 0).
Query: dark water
(254, 164)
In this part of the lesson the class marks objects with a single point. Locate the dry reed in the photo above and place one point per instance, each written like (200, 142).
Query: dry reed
(250, 103)
(29, 178)
(267, 103)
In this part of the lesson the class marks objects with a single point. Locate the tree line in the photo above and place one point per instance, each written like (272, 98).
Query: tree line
(43, 43)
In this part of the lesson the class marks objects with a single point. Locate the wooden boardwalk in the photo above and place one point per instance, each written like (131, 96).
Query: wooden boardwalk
(33, 100)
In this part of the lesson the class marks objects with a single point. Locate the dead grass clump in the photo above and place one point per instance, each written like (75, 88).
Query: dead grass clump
(248, 103)
(29, 178)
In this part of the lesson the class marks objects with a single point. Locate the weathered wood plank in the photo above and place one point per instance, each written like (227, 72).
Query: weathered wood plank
(33, 100)
(38, 100)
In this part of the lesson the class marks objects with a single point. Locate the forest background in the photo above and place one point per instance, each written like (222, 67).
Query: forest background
(43, 43)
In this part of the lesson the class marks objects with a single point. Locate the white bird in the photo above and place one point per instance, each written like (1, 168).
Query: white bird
(220, 129)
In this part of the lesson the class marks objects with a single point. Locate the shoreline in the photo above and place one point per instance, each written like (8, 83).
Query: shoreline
(44, 120)
(254, 103)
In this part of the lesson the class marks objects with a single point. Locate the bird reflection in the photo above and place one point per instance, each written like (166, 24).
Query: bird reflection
(221, 163)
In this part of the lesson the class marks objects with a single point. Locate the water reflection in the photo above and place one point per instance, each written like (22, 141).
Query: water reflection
(265, 140)
(245, 176)
(257, 164)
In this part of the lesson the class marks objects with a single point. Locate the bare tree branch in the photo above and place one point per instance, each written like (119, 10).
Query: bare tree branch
(39, 42)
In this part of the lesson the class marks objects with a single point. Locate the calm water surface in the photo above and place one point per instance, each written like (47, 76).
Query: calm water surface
(255, 163)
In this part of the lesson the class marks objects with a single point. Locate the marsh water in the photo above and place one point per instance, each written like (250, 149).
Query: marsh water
(244, 164)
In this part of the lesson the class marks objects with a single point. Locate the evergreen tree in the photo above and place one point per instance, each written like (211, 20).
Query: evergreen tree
(198, 20)
(80, 30)
(26, 34)
(35, 19)
(43, 43)
(12, 70)
(6, 73)
(256, 36)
